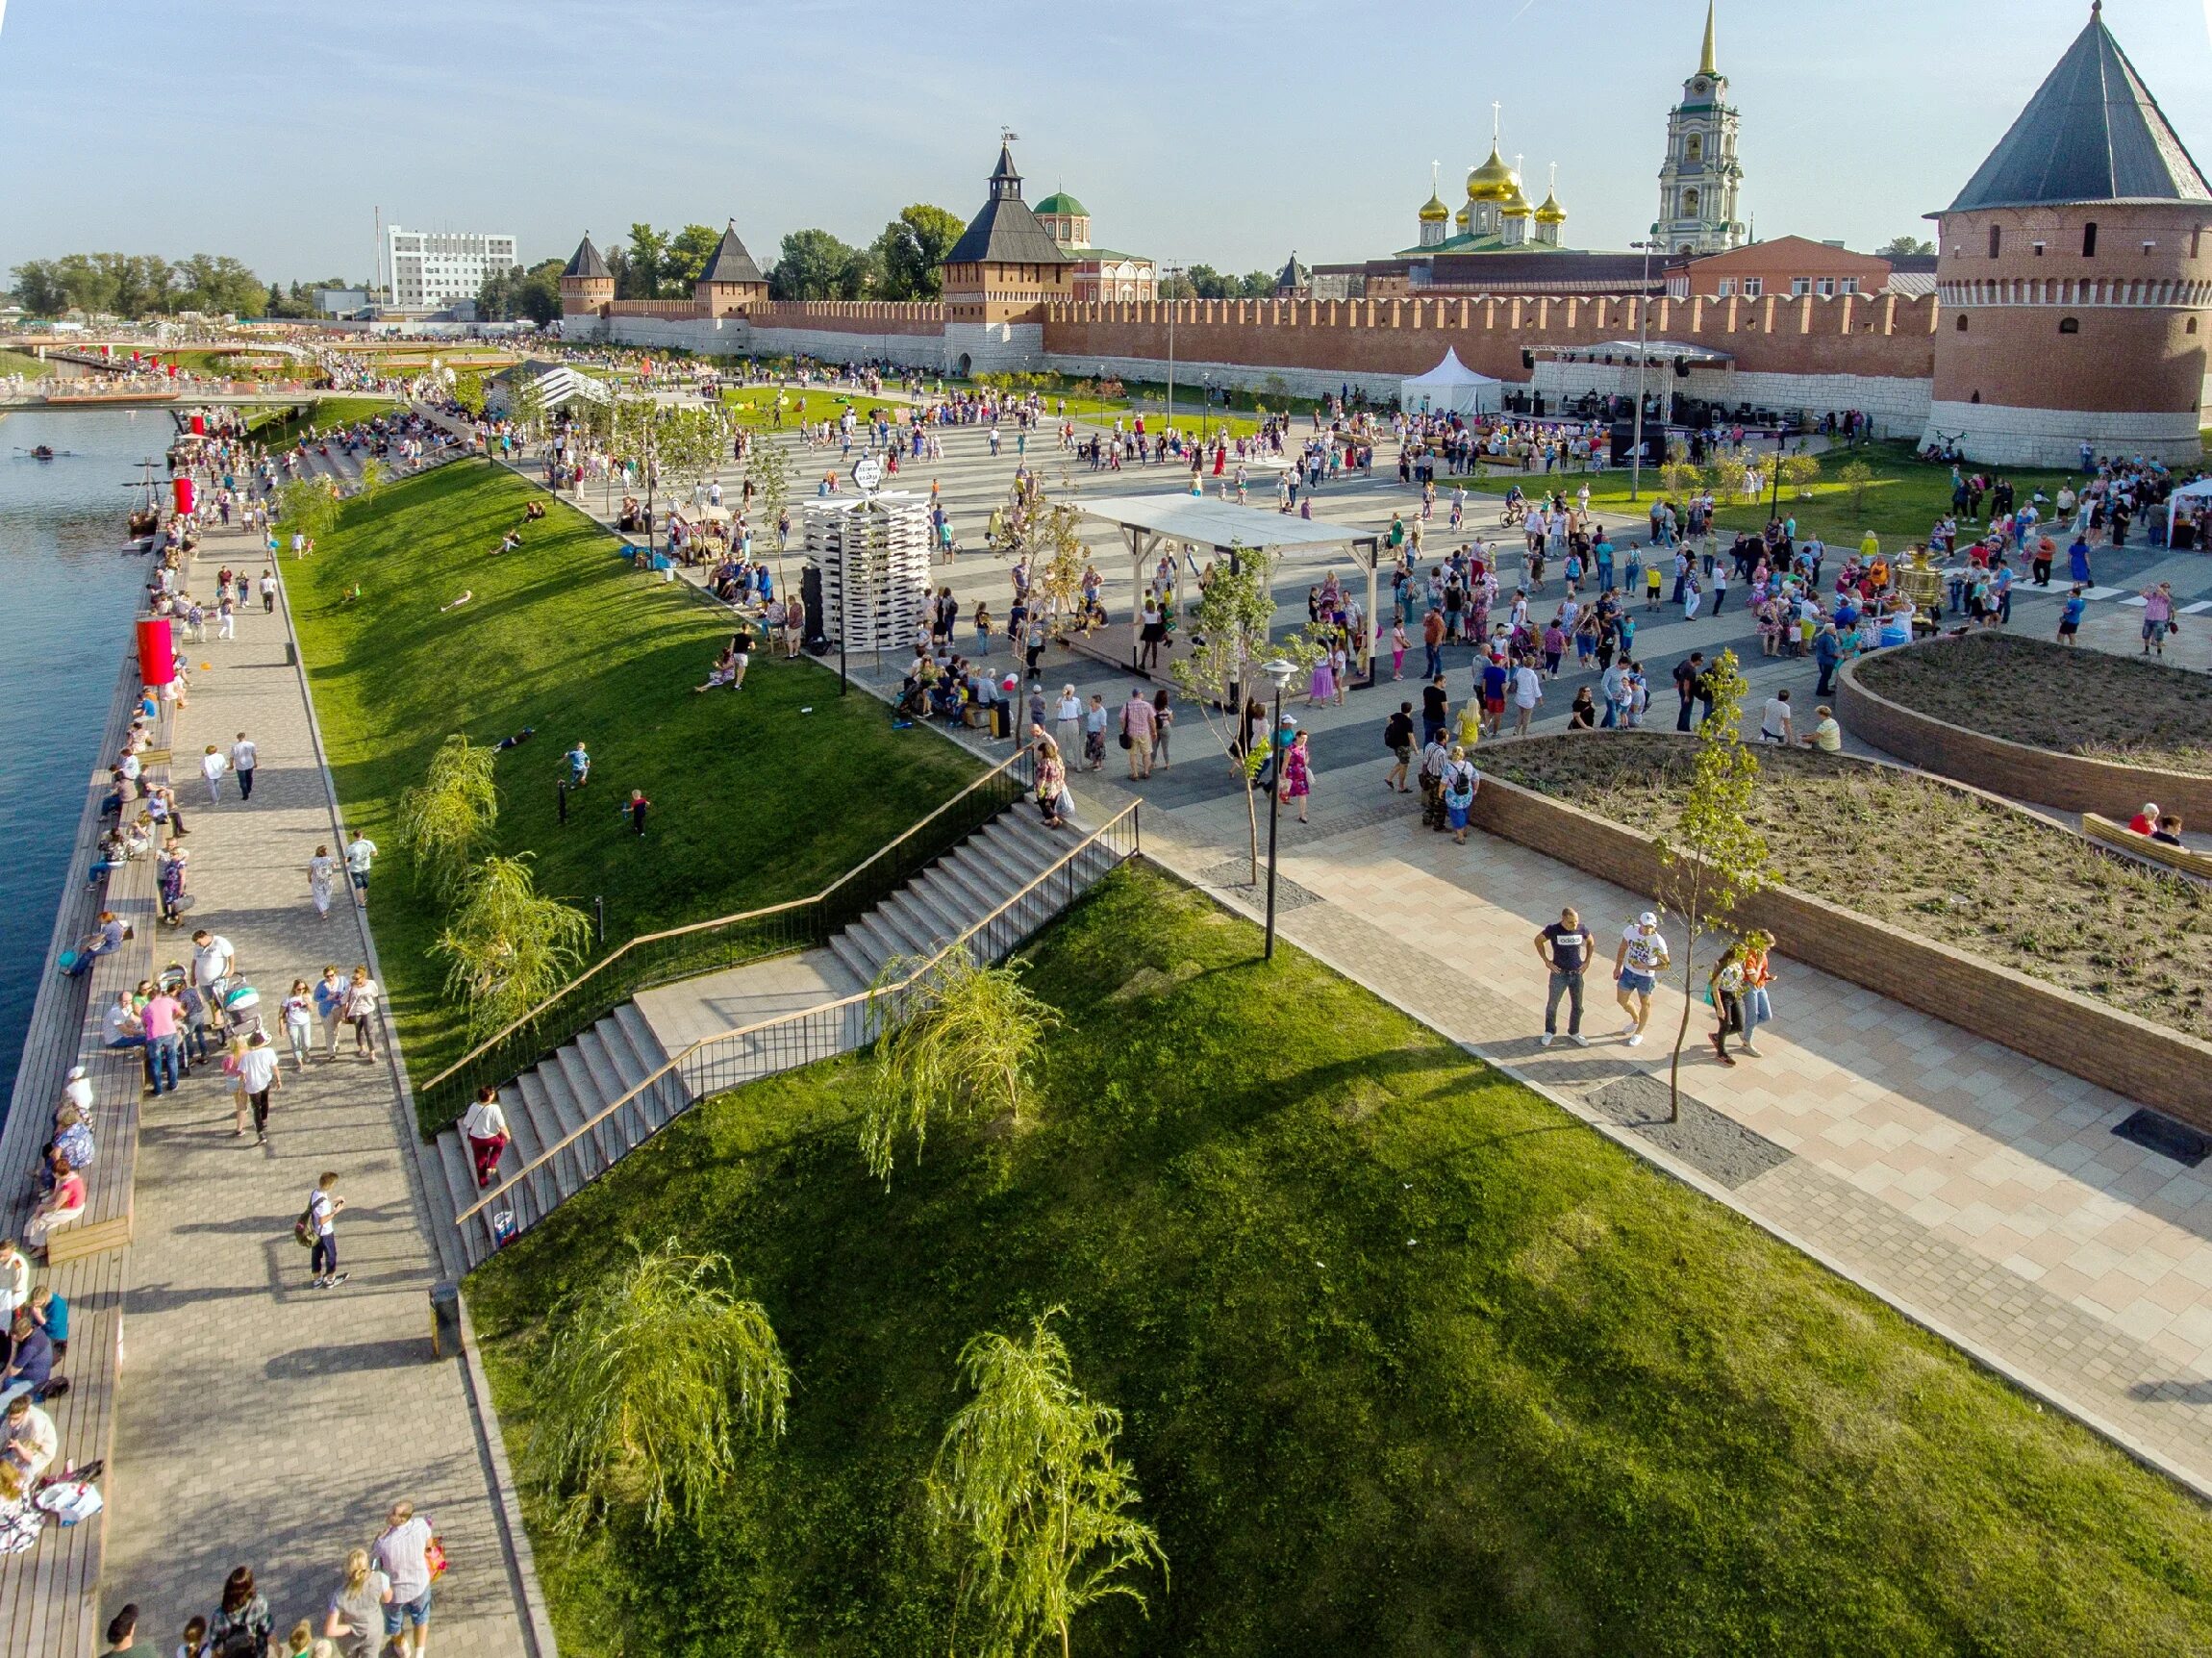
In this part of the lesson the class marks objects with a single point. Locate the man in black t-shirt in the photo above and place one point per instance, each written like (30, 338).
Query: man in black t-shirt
(1435, 710)
(1564, 947)
(1687, 674)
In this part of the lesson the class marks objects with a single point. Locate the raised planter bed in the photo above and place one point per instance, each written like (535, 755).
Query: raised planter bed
(2081, 731)
(1989, 873)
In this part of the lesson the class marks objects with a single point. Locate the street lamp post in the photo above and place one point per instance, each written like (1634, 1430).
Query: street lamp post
(1279, 671)
(1172, 272)
(1643, 339)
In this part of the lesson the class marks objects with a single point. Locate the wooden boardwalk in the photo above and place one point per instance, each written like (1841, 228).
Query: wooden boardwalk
(49, 1593)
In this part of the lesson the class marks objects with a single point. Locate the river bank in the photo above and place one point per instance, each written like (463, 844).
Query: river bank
(69, 600)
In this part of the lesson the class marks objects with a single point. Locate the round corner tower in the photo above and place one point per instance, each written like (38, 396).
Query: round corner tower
(2074, 283)
(586, 285)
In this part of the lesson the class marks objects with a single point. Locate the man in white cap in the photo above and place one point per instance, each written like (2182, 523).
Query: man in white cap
(1635, 969)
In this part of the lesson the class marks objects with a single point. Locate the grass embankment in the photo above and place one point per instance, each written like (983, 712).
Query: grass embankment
(1931, 859)
(753, 802)
(24, 364)
(1903, 503)
(2087, 702)
(285, 427)
(1411, 1363)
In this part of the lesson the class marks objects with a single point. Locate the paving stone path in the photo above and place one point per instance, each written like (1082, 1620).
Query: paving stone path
(264, 1423)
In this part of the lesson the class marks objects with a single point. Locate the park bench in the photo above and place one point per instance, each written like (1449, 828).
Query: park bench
(2117, 836)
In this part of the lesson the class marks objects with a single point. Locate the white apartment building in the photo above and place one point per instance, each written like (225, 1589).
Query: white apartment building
(432, 269)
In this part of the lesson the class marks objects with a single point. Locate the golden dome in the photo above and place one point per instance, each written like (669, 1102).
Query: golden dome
(1491, 182)
(1462, 218)
(1551, 213)
(1433, 210)
(1516, 205)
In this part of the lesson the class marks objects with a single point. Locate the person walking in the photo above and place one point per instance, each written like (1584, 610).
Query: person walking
(355, 1616)
(243, 758)
(1067, 718)
(1163, 722)
(240, 1625)
(1527, 692)
(1687, 674)
(329, 998)
(402, 1554)
(1637, 964)
(1398, 738)
(360, 857)
(1297, 774)
(321, 877)
(2157, 616)
(1136, 732)
(485, 1127)
(260, 1075)
(212, 766)
(321, 1218)
(1456, 787)
(1758, 975)
(298, 1017)
(361, 995)
(1725, 982)
(162, 1019)
(1565, 948)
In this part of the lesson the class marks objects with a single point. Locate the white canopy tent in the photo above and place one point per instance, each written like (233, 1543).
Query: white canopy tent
(1450, 387)
(2200, 496)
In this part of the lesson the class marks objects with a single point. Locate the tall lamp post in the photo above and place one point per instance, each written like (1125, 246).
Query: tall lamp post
(1172, 272)
(1279, 671)
(1642, 338)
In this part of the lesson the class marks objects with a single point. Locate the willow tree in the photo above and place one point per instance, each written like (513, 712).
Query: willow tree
(1230, 637)
(651, 1376)
(952, 1037)
(508, 945)
(1027, 1480)
(445, 820)
(1712, 857)
(307, 505)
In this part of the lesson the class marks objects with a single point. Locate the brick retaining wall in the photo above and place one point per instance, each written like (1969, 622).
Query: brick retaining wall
(2084, 1038)
(2068, 782)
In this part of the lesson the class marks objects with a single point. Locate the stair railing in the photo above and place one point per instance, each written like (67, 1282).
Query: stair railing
(725, 941)
(714, 1064)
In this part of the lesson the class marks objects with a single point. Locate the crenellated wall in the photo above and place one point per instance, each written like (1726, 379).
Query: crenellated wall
(1884, 337)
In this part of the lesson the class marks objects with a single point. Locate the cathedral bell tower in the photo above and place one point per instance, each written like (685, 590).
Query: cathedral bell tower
(1700, 178)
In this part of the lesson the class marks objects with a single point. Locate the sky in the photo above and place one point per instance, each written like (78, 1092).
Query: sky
(1230, 133)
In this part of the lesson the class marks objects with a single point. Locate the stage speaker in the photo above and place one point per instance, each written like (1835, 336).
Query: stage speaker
(1681, 369)
(1527, 358)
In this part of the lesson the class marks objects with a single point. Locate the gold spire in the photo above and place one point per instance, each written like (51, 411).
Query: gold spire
(1705, 64)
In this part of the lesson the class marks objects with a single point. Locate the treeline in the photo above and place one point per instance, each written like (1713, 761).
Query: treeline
(138, 285)
(901, 263)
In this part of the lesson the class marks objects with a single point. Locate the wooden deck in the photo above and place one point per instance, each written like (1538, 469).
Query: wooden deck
(49, 1605)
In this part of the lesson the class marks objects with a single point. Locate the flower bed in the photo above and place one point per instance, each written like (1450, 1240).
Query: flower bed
(2085, 702)
(1929, 858)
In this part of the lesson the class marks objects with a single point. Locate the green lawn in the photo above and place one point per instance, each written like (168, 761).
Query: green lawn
(1411, 1363)
(286, 426)
(1903, 503)
(754, 801)
(24, 364)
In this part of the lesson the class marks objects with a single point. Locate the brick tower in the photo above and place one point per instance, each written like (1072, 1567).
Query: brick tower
(998, 278)
(587, 288)
(730, 283)
(2076, 278)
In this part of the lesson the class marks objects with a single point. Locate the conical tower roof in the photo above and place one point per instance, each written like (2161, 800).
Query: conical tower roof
(1006, 231)
(731, 263)
(2092, 132)
(586, 261)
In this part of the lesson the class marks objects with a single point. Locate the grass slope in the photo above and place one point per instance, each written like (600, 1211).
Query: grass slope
(1904, 502)
(2030, 691)
(1411, 1363)
(753, 802)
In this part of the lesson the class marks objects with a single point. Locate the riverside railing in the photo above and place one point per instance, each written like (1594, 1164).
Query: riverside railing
(715, 1063)
(726, 942)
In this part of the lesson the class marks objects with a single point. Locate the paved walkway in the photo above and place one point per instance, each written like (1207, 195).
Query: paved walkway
(262, 1422)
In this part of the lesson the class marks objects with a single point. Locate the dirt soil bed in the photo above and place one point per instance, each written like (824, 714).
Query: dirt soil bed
(2086, 702)
(1927, 857)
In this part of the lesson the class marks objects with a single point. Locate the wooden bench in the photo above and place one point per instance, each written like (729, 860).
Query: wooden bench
(2120, 837)
(49, 1594)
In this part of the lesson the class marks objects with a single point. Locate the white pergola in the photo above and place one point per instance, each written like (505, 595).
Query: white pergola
(1228, 529)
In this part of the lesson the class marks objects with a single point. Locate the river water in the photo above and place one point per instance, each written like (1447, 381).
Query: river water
(69, 598)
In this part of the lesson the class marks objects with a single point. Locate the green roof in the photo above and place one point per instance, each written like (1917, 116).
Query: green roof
(1060, 201)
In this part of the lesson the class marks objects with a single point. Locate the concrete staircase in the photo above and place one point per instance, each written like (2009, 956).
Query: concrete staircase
(561, 1093)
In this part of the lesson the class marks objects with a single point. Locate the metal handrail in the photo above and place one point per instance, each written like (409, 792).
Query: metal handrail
(869, 994)
(643, 938)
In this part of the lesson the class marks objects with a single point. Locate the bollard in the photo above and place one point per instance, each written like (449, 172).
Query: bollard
(290, 653)
(445, 1319)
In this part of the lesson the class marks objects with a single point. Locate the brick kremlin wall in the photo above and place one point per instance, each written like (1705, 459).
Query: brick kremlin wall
(1880, 337)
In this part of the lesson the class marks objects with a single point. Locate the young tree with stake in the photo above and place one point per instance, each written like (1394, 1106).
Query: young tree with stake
(1714, 857)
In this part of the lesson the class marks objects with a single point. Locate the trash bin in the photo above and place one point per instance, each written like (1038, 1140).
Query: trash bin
(445, 1319)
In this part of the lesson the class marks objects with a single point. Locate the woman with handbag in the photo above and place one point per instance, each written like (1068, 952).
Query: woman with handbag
(362, 996)
(1724, 989)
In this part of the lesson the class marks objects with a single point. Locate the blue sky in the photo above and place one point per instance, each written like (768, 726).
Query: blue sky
(1226, 132)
